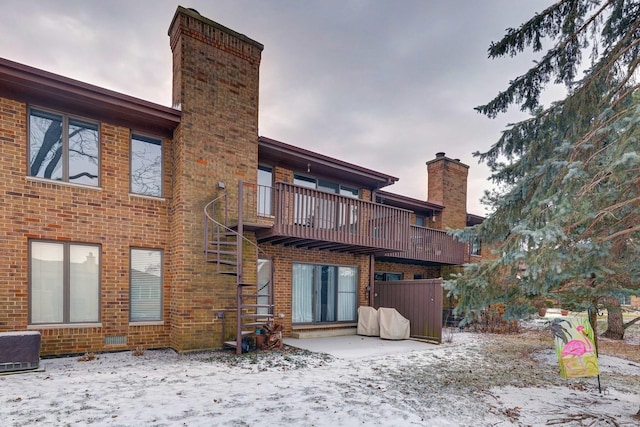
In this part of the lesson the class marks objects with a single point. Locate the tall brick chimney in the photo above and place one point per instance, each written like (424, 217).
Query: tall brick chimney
(447, 184)
(215, 84)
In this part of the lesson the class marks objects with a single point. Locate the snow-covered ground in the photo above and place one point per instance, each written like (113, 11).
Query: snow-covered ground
(466, 382)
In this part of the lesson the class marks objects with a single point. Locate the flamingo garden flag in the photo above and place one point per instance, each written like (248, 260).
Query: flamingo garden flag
(574, 342)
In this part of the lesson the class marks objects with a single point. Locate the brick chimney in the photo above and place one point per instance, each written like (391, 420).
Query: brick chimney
(215, 84)
(447, 184)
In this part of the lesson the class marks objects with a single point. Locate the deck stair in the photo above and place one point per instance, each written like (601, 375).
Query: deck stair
(225, 246)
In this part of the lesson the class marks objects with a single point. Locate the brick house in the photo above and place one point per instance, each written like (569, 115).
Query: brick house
(105, 200)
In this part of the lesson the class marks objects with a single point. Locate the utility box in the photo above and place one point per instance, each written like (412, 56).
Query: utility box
(19, 351)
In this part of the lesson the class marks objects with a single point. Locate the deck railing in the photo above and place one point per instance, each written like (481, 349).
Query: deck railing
(305, 213)
(428, 244)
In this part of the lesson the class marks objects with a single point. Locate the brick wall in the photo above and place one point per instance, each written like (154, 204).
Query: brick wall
(408, 270)
(216, 85)
(285, 256)
(107, 216)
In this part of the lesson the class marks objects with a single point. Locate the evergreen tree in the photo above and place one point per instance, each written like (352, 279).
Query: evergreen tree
(566, 214)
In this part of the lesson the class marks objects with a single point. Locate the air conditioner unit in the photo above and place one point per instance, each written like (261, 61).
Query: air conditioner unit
(19, 351)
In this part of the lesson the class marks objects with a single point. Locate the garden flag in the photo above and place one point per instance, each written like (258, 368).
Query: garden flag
(574, 342)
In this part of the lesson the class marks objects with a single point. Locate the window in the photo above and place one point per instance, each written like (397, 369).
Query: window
(145, 295)
(324, 293)
(625, 299)
(475, 247)
(325, 213)
(63, 148)
(64, 283)
(265, 182)
(146, 166)
(420, 221)
(380, 276)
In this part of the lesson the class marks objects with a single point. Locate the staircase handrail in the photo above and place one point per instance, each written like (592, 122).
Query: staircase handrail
(206, 213)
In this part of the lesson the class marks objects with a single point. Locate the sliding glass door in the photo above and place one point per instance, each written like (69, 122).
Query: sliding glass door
(323, 293)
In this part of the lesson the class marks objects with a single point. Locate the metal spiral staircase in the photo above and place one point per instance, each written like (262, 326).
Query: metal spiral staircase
(224, 246)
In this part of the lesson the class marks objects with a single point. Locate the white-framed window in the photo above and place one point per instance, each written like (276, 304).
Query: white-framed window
(145, 290)
(146, 165)
(324, 293)
(64, 282)
(63, 148)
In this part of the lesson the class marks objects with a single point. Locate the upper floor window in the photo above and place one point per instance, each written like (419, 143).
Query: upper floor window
(64, 282)
(265, 189)
(146, 166)
(63, 148)
(475, 246)
(420, 221)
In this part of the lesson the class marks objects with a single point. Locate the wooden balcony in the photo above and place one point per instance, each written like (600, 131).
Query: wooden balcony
(431, 245)
(296, 216)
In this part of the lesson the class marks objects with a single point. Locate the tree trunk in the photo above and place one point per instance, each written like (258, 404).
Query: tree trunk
(615, 324)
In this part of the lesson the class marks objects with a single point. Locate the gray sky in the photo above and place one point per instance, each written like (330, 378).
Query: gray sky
(379, 83)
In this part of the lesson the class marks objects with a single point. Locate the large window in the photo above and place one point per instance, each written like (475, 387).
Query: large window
(146, 166)
(63, 148)
(324, 293)
(64, 283)
(145, 295)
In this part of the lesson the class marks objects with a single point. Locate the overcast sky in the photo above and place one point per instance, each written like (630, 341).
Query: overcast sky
(382, 84)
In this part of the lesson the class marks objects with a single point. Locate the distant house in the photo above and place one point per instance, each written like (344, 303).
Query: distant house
(126, 223)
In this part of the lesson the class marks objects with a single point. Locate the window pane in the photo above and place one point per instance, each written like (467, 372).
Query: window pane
(84, 283)
(349, 192)
(83, 153)
(347, 293)
(45, 145)
(146, 166)
(302, 293)
(265, 180)
(326, 294)
(304, 204)
(264, 279)
(47, 275)
(146, 285)
(331, 187)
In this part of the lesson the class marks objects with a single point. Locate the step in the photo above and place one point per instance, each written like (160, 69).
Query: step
(252, 324)
(257, 316)
(226, 262)
(220, 242)
(229, 273)
(253, 296)
(224, 253)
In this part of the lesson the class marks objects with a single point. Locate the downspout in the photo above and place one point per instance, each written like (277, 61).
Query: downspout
(371, 287)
